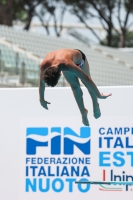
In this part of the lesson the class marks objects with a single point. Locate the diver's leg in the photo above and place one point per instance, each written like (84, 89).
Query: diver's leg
(96, 108)
(78, 94)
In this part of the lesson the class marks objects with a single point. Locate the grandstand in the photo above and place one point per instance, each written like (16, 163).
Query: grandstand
(22, 51)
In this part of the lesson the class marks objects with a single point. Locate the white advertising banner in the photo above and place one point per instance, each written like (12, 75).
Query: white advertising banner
(57, 152)
(44, 152)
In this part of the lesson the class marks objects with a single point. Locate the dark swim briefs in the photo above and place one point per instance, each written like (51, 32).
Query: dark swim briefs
(83, 59)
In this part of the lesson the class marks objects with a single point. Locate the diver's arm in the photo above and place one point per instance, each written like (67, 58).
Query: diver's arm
(41, 87)
(41, 92)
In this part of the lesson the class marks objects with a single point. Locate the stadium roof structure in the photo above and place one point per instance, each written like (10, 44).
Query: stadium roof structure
(108, 66)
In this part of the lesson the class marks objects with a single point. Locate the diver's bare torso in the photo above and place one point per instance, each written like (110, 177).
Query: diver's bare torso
(61, 57)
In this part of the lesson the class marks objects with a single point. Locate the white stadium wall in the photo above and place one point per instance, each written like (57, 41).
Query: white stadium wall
(43, 152)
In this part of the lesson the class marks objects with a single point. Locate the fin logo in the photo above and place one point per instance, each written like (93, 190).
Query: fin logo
(45, 137)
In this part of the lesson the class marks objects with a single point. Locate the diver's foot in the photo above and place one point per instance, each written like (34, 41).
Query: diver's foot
(84, 118)
(97, 112)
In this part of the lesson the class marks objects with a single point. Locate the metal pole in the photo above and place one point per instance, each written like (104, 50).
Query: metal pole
(17, 61)
(23, 74)
(0, 62)
(0, 68)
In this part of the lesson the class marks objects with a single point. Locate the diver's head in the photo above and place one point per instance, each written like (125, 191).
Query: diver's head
(51, 76)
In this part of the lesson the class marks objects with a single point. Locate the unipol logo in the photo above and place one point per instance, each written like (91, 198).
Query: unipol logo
(52, 139)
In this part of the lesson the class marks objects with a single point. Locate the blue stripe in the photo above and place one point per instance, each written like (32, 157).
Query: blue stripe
(84, 132)
(56, 129)
(37, 131)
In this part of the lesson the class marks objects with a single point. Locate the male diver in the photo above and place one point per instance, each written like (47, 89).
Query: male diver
(74, 66)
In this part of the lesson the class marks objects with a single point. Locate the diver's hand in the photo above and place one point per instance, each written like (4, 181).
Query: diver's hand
(102, 96)
(44, 104)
